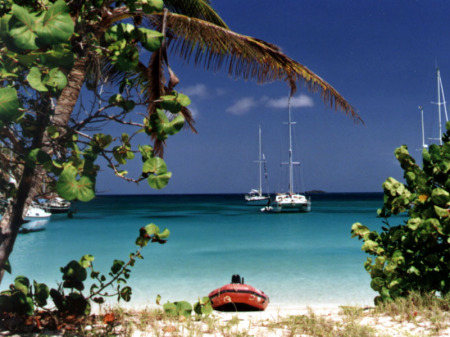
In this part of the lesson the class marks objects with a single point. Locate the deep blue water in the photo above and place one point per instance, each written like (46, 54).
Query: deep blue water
(297, 259)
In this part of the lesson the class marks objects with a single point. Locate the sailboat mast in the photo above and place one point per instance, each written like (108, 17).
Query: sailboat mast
(423, 129)
(441, 87)
(291, 167)
(439, 104)
(260, 163)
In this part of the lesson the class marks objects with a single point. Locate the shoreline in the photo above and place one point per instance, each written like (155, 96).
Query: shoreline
(302, 321)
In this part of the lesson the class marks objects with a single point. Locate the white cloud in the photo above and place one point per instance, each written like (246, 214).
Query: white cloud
(300, 101)
(198, 90)
(242, 106)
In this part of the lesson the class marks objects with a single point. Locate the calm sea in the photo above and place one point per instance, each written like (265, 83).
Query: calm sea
(299, 260)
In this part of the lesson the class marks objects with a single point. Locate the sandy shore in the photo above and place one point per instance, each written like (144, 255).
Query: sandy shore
(301, 321)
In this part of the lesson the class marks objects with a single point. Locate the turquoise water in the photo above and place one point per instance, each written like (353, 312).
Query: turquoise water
(299, 260)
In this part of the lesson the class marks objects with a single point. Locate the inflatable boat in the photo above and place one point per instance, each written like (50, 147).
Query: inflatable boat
(238, 296)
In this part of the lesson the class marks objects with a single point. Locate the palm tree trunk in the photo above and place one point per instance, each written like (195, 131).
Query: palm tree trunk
(32, 177)
(69, 96)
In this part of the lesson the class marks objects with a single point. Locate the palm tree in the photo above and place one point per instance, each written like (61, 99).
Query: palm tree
(193, 30)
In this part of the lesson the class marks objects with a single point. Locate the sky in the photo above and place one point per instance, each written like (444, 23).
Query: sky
(381, 56)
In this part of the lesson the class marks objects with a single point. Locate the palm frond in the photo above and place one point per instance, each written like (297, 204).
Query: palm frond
(244, 57)
(200, 9)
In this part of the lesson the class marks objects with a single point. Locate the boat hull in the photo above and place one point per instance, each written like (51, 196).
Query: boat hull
(238, 297)
(35, 225)
(292, 203)
(36, 220)
(257, 201)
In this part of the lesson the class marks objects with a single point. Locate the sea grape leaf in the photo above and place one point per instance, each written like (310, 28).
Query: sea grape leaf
(184, 308)
(57, 26)
(86, 187)
(57, 57)
(22, 28)
(9, 105)
(164, 234)
(125, 294)
(34, 78)
(150, 39)
(170, 308)
(22, 284)
(159, 181)
(152, 6)
(56, 79)
(146, 152)
(118, 32)
(151, 229)
(69, 188)
(154, 165)
(67, 183)
(86, 260)
(41, 293)
(117, 266)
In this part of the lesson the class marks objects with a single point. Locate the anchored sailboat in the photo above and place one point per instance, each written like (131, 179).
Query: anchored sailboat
(441, 103)
(255, 197)
(290, 201)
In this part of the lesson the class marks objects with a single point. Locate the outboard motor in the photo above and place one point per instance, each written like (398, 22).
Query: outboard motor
(237, 279)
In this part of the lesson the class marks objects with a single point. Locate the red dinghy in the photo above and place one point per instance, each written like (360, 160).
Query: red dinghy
(238, 296)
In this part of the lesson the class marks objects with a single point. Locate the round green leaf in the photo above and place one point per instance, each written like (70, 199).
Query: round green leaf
(152, 229)
(170, 308)
(86, 260)
(9, 105)
(85, 188)
(41, 293)
(67, 183)
(34, 78)
(154, 165)
(22, 26)
(150, 39)
(57, 26)
(184, 308)
(165, 234)
(152, 6)
(22, 284)
(159, 181)
(125, 294)
(55, 79)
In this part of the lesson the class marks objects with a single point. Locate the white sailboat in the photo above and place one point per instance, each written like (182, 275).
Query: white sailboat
(255, 197)
(440, 103)
(290, 201)
(36, 219)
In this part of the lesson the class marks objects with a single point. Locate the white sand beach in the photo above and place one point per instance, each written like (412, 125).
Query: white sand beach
(325, 321)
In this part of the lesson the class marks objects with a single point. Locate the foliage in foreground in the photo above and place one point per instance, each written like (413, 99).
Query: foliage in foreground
(24, 299)
(415, 255)
(183, 308)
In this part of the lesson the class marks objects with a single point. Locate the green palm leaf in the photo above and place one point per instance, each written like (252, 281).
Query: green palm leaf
(247, 57)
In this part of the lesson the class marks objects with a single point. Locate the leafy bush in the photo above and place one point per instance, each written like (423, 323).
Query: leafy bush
(183, 308)
(415, 255)
(24, 299)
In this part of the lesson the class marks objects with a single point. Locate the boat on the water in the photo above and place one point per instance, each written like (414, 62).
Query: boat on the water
(36, 220)
(441, 103)
(289, 201)
(56, 205)
(238, 296)
(255, 197)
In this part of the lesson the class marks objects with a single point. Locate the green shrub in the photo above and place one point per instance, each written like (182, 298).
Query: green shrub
(24, 299)
(414, 255)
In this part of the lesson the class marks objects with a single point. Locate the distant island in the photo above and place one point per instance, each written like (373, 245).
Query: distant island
(315, 192)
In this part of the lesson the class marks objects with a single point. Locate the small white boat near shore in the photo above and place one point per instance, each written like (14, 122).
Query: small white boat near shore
(36, 220)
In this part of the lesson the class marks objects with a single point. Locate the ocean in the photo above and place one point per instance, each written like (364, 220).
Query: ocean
(299, 260)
